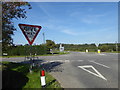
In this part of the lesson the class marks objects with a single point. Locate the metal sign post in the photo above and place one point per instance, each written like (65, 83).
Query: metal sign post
(30, 32)
(97, 45)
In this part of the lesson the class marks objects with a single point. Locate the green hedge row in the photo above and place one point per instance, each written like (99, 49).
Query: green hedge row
(26, 50)
(110, 47)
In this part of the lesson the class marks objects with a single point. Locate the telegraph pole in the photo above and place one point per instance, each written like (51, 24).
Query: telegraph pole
(116, 46)
(43, 38)
(44, 43)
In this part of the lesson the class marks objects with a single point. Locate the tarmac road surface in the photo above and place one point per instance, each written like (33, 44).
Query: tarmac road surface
(81, 70)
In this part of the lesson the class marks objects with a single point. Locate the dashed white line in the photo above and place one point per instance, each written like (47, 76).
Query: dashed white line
(99, 64)
(100, 54)
(80, 60)
(67, 60)
(59, 61)
(64, 61)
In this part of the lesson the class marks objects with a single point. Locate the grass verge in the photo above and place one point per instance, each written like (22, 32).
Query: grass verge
(34, 81)
(56, 53)
(17, 75)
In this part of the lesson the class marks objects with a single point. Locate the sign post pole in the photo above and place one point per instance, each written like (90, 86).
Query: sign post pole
(30, 32)
(31, 62)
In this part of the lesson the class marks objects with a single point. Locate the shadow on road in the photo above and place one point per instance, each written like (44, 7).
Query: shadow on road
(52, 67)
(37, 61)
(47, 66)
(48, 84)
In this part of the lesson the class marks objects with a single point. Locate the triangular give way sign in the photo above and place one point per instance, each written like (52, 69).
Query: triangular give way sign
(30, 31)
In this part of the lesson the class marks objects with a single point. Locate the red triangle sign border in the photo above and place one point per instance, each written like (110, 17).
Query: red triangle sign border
(30, 42)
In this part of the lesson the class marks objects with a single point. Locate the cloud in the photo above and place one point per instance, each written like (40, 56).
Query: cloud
(70, 32)
(84, 32)
(90, 19)
(45, 9)
(75, 14)
(90, 9)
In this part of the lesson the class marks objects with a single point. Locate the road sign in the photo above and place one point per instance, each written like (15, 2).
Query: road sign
(97, 44)
(30, 31)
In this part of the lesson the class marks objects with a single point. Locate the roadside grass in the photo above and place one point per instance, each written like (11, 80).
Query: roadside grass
(55, 53)
(34, 81)
(113, 52)
(17, 75)
(60, 53)
(101, 51)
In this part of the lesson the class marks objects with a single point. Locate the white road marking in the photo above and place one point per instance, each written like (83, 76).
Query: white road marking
(90, 66)
(111, 53)
(99, 64)
(80, 60)
(57, 61)
(51, 61)
(100, 54)
(14, 61)
(67, 60)
(62, 61)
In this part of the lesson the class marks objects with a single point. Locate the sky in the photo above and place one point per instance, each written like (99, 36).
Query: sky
(71, 22)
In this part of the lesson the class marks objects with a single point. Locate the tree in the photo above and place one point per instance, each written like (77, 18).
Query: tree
(50, 44)
(11, 10)
(104, 48)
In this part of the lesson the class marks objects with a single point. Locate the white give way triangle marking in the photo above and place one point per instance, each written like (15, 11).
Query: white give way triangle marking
(96, 74)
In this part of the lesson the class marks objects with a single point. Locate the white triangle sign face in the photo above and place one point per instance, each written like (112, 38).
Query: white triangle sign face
(30, 31)
(96, 74)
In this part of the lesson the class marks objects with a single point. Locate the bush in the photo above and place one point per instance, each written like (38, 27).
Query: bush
(26, 50)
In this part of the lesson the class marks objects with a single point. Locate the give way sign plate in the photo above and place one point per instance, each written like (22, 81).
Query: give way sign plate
(30, 31)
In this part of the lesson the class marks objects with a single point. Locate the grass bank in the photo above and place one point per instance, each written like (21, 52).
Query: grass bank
(17, 75)
(56, 53)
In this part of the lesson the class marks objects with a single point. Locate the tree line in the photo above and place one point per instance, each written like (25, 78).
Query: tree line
(105, 47)
(25, 50)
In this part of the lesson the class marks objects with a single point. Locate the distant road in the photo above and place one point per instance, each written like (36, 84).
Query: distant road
(83, 70)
